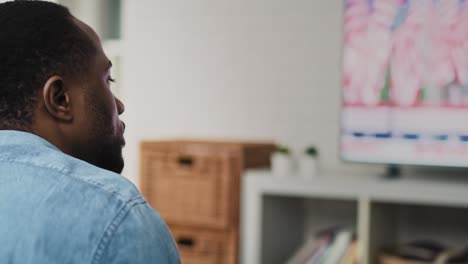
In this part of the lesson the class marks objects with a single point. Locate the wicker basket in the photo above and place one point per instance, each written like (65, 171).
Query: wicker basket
(195, 186)
(205, 247)
(190, 189)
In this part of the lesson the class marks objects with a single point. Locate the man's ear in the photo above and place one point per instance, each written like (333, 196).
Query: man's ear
(57, 99)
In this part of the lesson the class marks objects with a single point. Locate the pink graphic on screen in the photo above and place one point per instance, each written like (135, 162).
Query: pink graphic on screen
(419, 45)
(405, 81)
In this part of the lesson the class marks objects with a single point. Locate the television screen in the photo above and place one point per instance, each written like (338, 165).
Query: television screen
(405, 82)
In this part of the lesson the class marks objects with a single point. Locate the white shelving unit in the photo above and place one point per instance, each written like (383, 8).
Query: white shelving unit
(279, 213)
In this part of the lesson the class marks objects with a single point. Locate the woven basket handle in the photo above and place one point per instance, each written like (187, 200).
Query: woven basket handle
(186, 242)
(185, 161)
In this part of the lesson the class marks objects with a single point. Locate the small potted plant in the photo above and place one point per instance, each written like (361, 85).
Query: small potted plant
(308, 162)
(281, 162)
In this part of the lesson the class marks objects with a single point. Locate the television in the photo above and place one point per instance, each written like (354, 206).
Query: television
(405, 82)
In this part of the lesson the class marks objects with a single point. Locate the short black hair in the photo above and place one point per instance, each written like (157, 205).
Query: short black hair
(38, 40)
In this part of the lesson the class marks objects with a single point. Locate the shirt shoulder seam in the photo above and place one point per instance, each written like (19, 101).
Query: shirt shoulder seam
(68, 173)
(113, 226)
(57, 169)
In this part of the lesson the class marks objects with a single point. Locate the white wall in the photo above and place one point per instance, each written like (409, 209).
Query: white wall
(256, 69)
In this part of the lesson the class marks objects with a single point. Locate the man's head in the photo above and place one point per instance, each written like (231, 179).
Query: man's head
(55, 82)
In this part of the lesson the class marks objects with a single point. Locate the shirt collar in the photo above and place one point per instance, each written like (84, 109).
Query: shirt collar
(15, 137)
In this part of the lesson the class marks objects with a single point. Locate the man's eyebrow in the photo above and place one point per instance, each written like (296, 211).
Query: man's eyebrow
(109, 64)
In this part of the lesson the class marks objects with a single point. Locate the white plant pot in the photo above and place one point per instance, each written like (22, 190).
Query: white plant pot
(308, 167)
(281, 164)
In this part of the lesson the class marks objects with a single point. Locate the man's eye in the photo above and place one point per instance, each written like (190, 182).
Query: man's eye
(110, 79)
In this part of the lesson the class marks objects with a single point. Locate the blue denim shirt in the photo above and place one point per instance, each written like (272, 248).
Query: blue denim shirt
(58, 209)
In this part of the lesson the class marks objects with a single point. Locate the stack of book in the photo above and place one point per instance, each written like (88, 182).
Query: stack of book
(334, 246)
(423, 252)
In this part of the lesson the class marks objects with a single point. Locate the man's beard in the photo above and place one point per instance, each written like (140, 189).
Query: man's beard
(107, 141)
(110, 157)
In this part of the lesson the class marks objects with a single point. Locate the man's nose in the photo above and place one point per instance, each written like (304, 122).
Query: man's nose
(120, 106)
